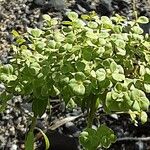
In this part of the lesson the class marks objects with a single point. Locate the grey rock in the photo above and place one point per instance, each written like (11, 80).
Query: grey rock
(12, 131)
(27, 106)
(139, 145)
(13, 147)
(80, 8)
(2, 87)
(105, 8)
(39, 2)
(146, 27)
(72, 129)
(57, 4)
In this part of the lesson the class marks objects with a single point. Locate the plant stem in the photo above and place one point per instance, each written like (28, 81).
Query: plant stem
(29, 143)
(134, 9)
(92, 99)
(33, 124)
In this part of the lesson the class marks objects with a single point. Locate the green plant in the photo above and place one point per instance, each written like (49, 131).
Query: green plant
(89, 60)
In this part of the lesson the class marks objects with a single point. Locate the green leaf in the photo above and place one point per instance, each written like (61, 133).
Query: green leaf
(92, 25)
(89, 140)
(64, 80)
(143, 20)
(34, 68)
(80, 66)
(46, 17)
(80, 76)
(102, 41)
(118, 77)
(147, 88)
(85, 17)
(36, 32)
(29, 143)
(7, 69)
(68, 47)
(39, 106)
(120, 43)
(58, 37)
(87, 54)
(100, 51)
(144, 103)
(28, 88)
(106, 22)
(121, 51)
(54, 91)
(67, 23)
(104, 35)
(4, 98)
(77, 87)
(142, 70)
(15, 33)
(72, 16)
(44, 91)
(51, 44)
(115, 95)
(117, 29)
(91, 35)
(54, 21)
(143, 117)
(47, 144)
(136, 106)
(146, 44)
(113, 67)
(40, 45)
(93, 73)
(78, 23)
(137, 30)
(100, 74)
(106, 136)
(147, 78)
(70, 38)
(20, 41)
(66, 68)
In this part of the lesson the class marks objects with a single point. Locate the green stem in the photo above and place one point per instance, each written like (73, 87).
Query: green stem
(33, 124)
(91, 115)
(29, 143)
(134, 9)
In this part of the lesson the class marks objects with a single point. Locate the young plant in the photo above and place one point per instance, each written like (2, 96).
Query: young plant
(88, 60)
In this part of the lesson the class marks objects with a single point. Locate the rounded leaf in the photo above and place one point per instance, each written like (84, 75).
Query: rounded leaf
(143, 20)
(46, 17)
(100, 74)
(144, 103)
(118, 77)
(92, 24)
(72, 16)
(143, 117)
(137, 30)
(7, 69)
(80, 76)
(136, 106)
(77, 87)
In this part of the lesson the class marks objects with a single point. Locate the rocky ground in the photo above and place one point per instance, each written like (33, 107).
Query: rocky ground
(20, 14)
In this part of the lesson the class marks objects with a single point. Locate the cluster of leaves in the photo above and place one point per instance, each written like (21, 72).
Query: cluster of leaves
(88, 60)
(91, 139)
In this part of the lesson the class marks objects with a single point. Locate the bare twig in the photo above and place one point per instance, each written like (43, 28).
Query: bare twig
(134, 139)
(63, 121)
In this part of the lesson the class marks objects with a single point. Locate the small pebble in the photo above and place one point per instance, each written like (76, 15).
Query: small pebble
(14, 147)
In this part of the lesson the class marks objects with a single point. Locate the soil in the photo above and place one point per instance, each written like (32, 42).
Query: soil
(20, 14)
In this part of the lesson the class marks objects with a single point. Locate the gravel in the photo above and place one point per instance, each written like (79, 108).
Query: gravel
(20, 14)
